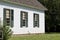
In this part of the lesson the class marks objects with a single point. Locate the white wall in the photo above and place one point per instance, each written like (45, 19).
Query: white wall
(16, 29)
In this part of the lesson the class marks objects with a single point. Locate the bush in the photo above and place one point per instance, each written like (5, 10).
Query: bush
(6, 33)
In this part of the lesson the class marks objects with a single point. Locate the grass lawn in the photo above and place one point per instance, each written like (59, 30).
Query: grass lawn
(37, 37)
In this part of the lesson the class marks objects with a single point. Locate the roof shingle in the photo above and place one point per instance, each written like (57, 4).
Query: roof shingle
(30, 3)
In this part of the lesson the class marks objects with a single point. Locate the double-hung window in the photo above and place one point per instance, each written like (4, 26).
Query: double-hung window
(8, 17)
(36, 20)
(24, 19)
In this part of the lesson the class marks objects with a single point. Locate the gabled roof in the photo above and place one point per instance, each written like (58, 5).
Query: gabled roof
(28, 3)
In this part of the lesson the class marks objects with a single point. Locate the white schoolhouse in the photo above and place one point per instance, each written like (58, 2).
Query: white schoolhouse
(23, 16)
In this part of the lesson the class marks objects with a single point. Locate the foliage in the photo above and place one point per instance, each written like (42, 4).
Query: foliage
(6, 33)
(52, 15)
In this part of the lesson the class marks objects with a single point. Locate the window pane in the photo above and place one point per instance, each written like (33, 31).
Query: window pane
(7, 13)
(7, 17)
(24, 23)
(36, 16)
(36, 23)
(24, 16)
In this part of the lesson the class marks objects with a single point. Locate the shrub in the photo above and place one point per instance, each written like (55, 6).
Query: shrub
(7, 32)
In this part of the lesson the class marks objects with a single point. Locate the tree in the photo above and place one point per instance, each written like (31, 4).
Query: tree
(52, 15)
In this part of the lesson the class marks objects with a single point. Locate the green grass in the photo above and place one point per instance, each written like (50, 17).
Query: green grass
(37, 37)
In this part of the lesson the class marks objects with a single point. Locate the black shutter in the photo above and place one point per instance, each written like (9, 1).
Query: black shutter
(34, 20)
(4, 17)
(11, 18)
(26, 19)
(38, 20)
(21, 19)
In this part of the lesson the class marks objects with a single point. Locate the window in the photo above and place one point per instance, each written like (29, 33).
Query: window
(36, 20)
(24, 19)
(8, 17)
